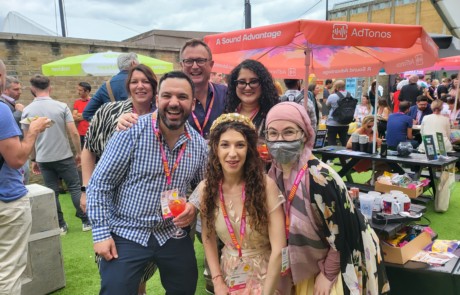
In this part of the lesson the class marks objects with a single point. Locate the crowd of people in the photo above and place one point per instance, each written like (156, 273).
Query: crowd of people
(283, 225)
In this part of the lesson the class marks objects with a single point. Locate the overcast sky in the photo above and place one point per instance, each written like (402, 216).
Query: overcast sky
(193, 15)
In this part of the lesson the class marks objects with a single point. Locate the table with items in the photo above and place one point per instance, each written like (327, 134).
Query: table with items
(417, 162)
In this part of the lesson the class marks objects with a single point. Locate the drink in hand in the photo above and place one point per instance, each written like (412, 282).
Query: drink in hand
(177, 206)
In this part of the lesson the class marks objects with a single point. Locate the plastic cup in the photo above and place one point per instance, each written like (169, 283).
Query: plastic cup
(377, 200)
(366, 204)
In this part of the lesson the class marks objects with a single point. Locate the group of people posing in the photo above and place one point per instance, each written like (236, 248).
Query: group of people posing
(293, 230)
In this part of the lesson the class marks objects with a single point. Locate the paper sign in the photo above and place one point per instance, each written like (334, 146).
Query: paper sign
(430, 148)
(285, 267)
(320, 139)
(442, 147)
(239, 277)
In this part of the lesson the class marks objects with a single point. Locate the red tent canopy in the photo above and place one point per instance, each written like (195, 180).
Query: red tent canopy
(325, 48)
(446, 63)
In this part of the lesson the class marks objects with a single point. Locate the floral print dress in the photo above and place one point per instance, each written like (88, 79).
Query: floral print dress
(255, 248)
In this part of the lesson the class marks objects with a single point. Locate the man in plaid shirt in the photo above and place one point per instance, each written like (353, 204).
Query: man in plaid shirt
(158, 154)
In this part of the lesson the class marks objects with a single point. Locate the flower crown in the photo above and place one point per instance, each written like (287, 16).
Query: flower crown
(232, 117)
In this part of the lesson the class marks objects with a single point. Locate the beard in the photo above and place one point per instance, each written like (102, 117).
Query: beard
(173, 124)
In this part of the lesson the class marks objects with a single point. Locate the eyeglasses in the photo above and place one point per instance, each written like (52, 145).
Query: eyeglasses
(289, 134)
(199, 61)
(252, 84)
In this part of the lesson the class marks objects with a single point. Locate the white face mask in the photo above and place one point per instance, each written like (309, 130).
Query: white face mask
(285, 152)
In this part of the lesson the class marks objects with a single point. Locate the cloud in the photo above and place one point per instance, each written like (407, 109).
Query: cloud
(197, 15)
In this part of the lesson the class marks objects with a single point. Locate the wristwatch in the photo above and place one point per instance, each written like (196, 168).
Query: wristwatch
(83, 189)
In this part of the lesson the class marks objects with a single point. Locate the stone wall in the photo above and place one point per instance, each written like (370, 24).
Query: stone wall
(24, 54)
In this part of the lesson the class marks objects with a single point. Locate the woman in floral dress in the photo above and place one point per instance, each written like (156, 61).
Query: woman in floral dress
(242, 207)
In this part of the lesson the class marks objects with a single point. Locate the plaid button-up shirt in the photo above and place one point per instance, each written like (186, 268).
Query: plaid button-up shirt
(124, 192)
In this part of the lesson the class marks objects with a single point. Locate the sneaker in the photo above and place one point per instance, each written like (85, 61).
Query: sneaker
(86, 226)
(64, 229)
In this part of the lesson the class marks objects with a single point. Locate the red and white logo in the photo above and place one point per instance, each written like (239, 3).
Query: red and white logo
(292, 72)
(340, 31)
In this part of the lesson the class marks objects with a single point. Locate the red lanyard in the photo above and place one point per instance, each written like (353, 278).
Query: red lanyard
(229, 224)
(208, 113)
(292, 195)
(163, 154)
(253, 114)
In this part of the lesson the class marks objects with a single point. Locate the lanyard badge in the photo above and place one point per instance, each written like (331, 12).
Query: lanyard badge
(164, 159)
(208, 114)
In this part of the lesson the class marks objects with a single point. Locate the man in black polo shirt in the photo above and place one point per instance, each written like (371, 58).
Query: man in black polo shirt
(411, 91)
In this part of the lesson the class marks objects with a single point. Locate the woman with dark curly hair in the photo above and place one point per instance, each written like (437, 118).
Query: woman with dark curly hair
(243, 207)
(251, 92)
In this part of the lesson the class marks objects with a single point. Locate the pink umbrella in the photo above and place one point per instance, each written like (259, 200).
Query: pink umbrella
(446, 63)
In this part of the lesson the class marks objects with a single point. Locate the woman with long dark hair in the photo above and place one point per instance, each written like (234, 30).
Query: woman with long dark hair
(383, 112)
(251, 92)
(374, 94)
(243, 207)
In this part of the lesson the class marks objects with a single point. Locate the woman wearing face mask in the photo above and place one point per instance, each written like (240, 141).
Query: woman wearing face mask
(332, 248)
(243, 207)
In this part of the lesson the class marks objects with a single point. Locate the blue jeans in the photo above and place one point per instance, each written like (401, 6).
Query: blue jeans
(175, 259)
(67, 170)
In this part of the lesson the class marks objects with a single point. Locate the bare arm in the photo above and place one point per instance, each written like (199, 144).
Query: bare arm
(210, 250)
(277, 236)
(349, 144)
(409, 133)
(16, 152)
(77, 116)
(385, 114)
(88, 163)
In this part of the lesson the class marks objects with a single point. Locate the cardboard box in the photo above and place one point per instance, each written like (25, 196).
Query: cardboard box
(402, 255)
(386, 188)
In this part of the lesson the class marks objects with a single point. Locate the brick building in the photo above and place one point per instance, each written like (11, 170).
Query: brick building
(405, 12)
(24, 54)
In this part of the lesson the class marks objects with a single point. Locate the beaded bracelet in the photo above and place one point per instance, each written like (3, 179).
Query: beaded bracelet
(215, 277)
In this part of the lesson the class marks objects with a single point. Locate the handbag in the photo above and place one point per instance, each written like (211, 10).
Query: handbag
(444, 189)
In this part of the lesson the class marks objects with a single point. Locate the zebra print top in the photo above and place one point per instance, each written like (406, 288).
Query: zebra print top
(104, 124)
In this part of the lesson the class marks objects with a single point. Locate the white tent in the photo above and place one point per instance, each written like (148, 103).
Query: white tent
(86, 28)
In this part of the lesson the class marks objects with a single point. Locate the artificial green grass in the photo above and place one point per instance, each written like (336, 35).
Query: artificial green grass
(81, 273)
(82, 276)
